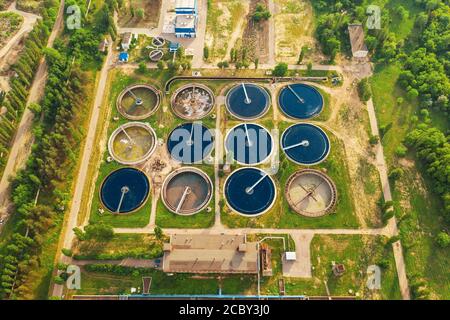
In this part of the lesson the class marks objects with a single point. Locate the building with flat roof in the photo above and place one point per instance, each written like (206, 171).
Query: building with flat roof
(185, 26)
(210, 254)
(359, 48)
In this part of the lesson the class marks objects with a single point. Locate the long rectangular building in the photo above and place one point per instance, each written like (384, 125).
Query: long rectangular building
(210, 254)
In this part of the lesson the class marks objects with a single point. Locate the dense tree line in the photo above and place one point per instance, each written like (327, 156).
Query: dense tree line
(334, 19)
(24, 70)
(433, 148)
(48, 169)
(427, 69)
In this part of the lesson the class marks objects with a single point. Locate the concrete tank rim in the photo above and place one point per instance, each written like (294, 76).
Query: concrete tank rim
(262, 114)
(250, 164)
(188, 85)
(150, 187)
(327, 179)
(138, 85)
(127, 125)
(301, 163)
(200, 172)
(250, 215)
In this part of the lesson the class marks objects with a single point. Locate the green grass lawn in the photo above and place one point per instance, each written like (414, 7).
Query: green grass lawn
(106, 283)
(386, 91)
(420, 220)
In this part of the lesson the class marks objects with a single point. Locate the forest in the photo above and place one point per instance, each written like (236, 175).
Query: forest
(48, 171)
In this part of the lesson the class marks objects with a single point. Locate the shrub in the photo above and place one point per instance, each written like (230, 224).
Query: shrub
(364, 90)
(67, 252)
(401, 151)
(443, 239)
(373, 140)
(280, 70)
(396, 174)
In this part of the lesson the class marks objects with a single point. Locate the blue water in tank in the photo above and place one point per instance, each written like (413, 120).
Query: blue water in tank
(190, 143)
(253, 152)
(317, 148)
(259, 101)
(137, 184)
(258, 200)
(310, 105)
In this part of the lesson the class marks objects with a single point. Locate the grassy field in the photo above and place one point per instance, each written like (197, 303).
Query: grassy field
(224, 18)
(119, 247)
(356, 253)
(129, 13)
(10, 23)
(105, 283)
(294, 28)
(29, 5)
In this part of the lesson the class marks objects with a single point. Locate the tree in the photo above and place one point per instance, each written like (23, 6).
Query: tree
(395, 174)
(364, 90)
(158, 233)
(206, 53)
(261, 13)
(161, 65)
(280, 69)
(142, 68)
(140, 13)
(99, 231)
(309, 67)
(35, 108)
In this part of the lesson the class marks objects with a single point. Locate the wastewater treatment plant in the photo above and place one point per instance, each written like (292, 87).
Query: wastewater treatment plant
(194, 154)
(212, 149)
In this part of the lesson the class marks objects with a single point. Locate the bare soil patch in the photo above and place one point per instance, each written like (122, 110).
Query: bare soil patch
(128, 14)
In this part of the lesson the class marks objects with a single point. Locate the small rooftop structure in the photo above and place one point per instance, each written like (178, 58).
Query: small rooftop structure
(359, 48)
(103, 45)
(290, 256)
(210, 254)
(338, 269)
(186, 6)
(126, 40)
(123, 56)
(173, 46)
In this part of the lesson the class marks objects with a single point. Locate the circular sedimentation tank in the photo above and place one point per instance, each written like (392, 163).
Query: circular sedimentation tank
(187, 191)
(124, 190)
(247, 101)
(249, 143)
(305, 144)
(300, 101)
(190, 143)
(250, 191)
(158, 41)
(192, 101)
(311, 193)
(132, 143)
(156, 55)
(139, 101)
